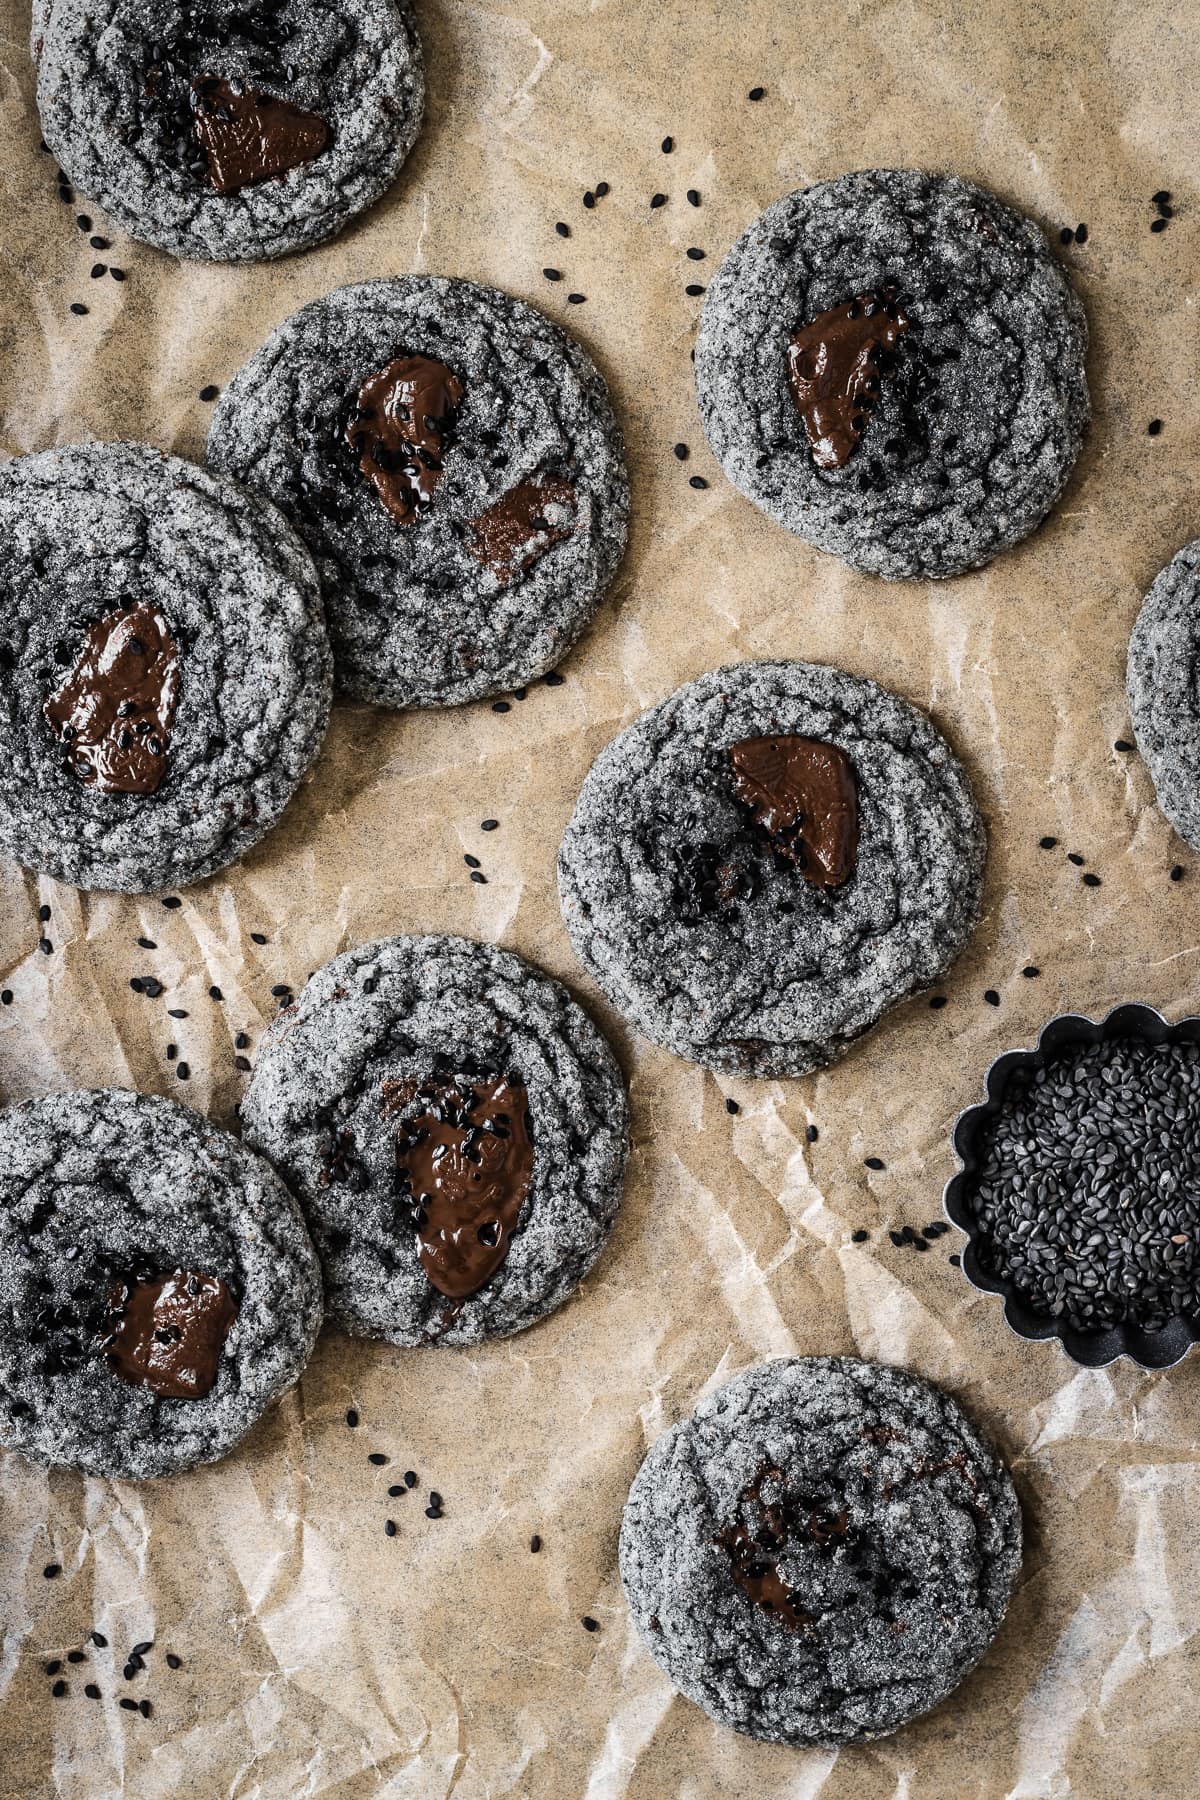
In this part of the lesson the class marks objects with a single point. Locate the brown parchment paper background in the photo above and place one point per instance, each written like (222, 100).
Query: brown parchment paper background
(322, 1658)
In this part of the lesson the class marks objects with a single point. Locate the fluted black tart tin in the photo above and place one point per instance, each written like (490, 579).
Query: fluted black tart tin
(1157, 1349)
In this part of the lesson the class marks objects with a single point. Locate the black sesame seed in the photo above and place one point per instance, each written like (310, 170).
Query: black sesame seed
(601, 189)
(589, 1624)
(98, 269)
(142, 1648)
(1031, 972)
(552, 274)
(128, 1704)
(1090, 880)
(693, 288)
(410, 1478)
(479, 879)
(45, 946)
(176, 1012)
(488, 824)
(173, 1661)
(1159, 224)
(99, 243)
(171, 901)
(51, 1570)
(257, 937)
(59, 1689)
(695, 254)
(811, 1133)
(78, 308)
(873, 1162)
(472, 862)
(435, 1499)
(697, 481)
(1073, 856)
(145, 943)
(214, 993)
(209, 391)
(1176, 875)
(397, 1488)
(731, 1106)
(693, 197)
(52, 1668)
(76, 1656)
(433, 1512)
(99, 1639)
(1154, 427)
(145, 1708)
(183, 1072)
(389, 1527)
(1081, 234)
(43, 913)
(377, 1458)
(1047, 843)
(6, 997)
(668, 144)
(756, 93)
(554, 679)
(1162, 196)
(897, 1239)
(937, 1002)
(576, 299)
(589, 199)
(501, 706)
(1123, 745)
(859, 1237)
(279, 989)
(83, 222)
(681, 451)
(955, 1260)
(562, 230)
(991, 996)
(117, 274)
(91, 1690)
(351, 1418)
(657, 200)
(1066, 235)
(535, 1543)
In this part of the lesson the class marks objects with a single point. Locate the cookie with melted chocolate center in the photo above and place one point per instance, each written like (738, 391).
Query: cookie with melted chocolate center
(452, 461)
(455, 1128)
(821, 1552)
(891, 364)
(766, 861)
(227, 129)
(166, 674)
(158, 1289)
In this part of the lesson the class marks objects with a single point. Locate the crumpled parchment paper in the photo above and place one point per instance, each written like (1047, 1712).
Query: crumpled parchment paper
(320, 1657)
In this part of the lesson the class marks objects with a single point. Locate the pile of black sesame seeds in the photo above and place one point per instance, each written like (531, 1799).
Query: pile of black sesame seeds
(1087, 1192)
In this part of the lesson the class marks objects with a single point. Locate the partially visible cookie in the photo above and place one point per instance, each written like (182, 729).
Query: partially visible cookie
(891, 364)
(157, 1285)
(1160, 680)
(821, 1552)
(224, 129)
(452, 461)
(166, 674)
(455, 1128)
(763, 863)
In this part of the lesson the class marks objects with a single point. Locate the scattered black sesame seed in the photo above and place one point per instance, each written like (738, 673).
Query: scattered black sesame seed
(1162, 196)
(488, 824)
(731, 1106)
(590, 1624)
(472, 862)
(1159, 224)
(258, 937)
(76, 1656)
(1081, 234)
(589, 199)
(991, 996)
(1154, 428)
(410, 1478)
(1047, 843)
(693, 288)
(1176, 875)
(279, 989)
(681, 451)
(694, 254)
(697, 481)
(693, 197)
(51, 1570)
(554, 679)
(657, 200)
(128, 1704)
(873, 1162)
(209, 391)
(99, 269)
(99, 243)
(78, 308)
(435, 1499)
(52, 1668)
(1073, 856)
(811, 1133)
(397, 1488)
(562, 230)
(535, 1543)
(172, 1052)
(130, 1670)
(955, 1260)
(83, 222)
(45, 946)
(351, 1418)
(1031, 972)
(144, 943)
(183, 1072)
(601, 189)
(43, 913)
(389, 1526)
(117, 274)
(59, 1689)
(176, 1012)
(173, 1661)
(214, 993)
(1066, 235)
(99, 1639)
(479, 879)
(1123, 745)
(91, 1690)
(668, 144)
(552, 274)
(937, 1002)
(145, 1708)
(6, 997)
(859, 1237)
(377, 1458)
(433, 1512)
(576, 299)
(501, 706)
(171, 901)
(1090, 880)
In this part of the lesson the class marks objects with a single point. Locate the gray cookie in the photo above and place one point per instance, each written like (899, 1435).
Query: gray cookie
(468, 558)
(710, 909)
(166, 674)
(225, 129)
(158, 1288)
(456, 1129)
(821, 1552)
(1161, 684)
(891, 364)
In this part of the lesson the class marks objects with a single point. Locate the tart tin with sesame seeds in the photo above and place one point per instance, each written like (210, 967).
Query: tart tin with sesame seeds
(1057, 1242)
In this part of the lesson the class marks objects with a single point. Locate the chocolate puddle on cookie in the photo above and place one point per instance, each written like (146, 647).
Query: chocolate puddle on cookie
(464, 1163)
(166, 1332)
(799, 798)
(248, 137)
(755, 1547)
(400, 429)
(835, 367)
(115, 709)
(517, 529)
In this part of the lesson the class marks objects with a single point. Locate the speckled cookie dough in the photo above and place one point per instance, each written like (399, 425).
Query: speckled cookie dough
(753, 938)
(821, 1552)
(158, 1289)
(456, 1130)
(452, 461)
(166, 674)
(1161, 685)
(223, 130)
(891, 364)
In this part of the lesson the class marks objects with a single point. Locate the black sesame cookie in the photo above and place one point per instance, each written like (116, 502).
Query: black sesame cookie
(763, 863)
(158, 1288)
(891, 364)
(456, 1130)
(166, 674)
(821, 1552)
(452, 461)
(229, 130)
(1160, 682)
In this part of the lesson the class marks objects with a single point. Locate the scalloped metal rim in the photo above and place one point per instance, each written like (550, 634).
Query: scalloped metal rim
(1090, 1349)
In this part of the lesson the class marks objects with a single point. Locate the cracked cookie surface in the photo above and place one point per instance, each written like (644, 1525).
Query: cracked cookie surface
(977, 409)
(821, 1552)
(481, 568)
(95, 538)
(154, 108)
(1161, 686)
(373, 1044)
(711, 942)
(100, 1188)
